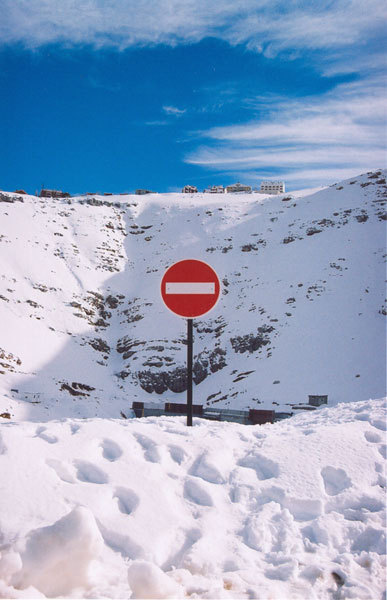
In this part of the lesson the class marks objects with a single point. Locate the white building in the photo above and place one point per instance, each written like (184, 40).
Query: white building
(272, 187)
(238, 187)
(215, 189)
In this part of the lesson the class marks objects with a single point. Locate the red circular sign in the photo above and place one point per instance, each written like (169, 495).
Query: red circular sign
(190, 288)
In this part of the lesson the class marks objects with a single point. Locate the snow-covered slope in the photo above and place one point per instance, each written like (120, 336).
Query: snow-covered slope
(84, 331)
(102, 508)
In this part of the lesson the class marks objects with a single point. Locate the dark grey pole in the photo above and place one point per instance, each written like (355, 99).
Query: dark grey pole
(189, 371)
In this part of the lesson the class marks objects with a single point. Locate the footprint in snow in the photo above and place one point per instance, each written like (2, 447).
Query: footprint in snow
(61, 470)
(191, 537)
(40, 432)
(206, 468)
(383, 450)
(194, 491)
(264, 467)
(89, 473)
(149, 447)
(362, 417)
(74, 428)
(111, 450)
(127, 500)
(335, 480)
(372, 436)
(379, 424)
(177, 454)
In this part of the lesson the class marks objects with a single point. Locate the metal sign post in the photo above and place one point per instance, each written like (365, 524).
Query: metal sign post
(189, 370)
(190, 288)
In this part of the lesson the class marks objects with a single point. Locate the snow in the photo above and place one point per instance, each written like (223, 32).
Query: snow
(97, 504)
(319, 297)
(45, 557)
(148, 508)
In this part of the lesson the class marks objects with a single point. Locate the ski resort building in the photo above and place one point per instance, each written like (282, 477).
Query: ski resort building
(245, 417)
(189, 189)
(214, 189)
(272, 187)
(238, 187)
(317, 400)
(53, 194)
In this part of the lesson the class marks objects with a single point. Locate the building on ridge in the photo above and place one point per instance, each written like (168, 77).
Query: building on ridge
(189, 189)
(214, 189)
(53, 194)
(238, 187)
(272, 187)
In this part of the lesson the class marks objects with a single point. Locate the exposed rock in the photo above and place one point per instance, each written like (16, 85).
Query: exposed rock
(77, 389)
(112, 302)
(176, 380)
(152, 382)
(9, 361)
(200, 370)
(252, 342)
(125, 346)
(249, 247)
(100, 345)
(10, 199)
(288, 239)
(217, 360)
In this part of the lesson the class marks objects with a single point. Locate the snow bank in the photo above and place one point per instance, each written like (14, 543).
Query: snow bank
(152, 509)
(56, 558)
(149, 581)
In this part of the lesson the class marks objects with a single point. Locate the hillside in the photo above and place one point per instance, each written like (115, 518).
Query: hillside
(84, 331)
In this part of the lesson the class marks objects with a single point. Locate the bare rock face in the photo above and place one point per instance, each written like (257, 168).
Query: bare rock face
(10, 199)
(252, 342)
(8, 362)
(100, 345)
(175, 379)
(152, 382)
(77, 389)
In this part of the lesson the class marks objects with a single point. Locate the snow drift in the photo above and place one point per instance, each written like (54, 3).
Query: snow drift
(152, 509)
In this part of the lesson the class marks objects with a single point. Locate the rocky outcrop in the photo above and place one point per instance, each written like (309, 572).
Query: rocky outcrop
(175, 379)
(252, 342)
(10, 199)
(8, 362)
(77, 389)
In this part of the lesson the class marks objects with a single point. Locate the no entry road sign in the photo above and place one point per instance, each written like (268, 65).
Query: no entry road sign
(190, 288)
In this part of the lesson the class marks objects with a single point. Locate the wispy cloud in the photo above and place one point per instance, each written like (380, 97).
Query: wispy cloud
(173, 110)
(157, 123)
(339, 133)
(268, 26)
(100, 84)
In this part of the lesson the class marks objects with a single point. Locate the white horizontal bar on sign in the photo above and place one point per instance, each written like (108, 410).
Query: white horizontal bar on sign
(190, 288)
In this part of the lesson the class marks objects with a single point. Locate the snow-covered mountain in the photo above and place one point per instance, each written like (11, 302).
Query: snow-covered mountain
(84, 331)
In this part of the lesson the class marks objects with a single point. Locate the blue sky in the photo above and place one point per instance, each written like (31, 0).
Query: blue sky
(114, 95)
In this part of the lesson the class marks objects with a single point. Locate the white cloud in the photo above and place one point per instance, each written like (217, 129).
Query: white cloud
(173, 110)
(340, 133)
(268, 26)
(299, 178)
